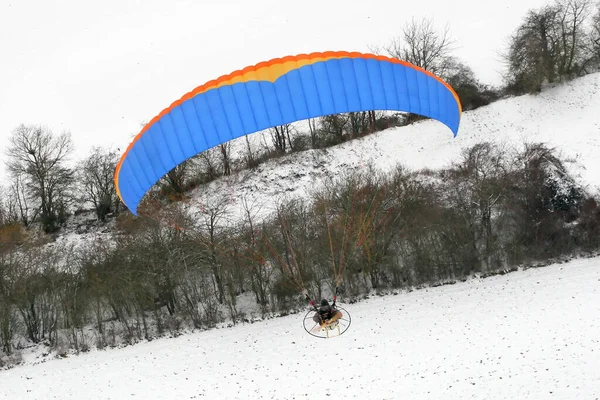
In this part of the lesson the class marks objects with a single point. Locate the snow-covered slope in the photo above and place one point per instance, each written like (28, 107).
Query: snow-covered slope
(566, 116)
(531, 334)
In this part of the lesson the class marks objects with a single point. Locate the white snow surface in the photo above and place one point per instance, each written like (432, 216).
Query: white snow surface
(532, 334)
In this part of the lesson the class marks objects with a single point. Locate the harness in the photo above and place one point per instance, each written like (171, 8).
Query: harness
(327, 314)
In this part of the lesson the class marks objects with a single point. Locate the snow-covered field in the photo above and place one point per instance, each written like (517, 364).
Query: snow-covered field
(531, 334)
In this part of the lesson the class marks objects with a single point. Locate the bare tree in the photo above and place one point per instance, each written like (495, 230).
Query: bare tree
(548, 46)
(209, 163)
(225, 149)
(8, 209)
(314, 132)
(574, 55)
(38, 156)
(260, 273)
(175, 179)
(477, 186)
(360, 122)
(18, 196)
(96, 178)
(280, 135)
(595, 36)
(533, 50)
(422, 45)
(214, 211)
(8, 323)
(250, 156)
(334, 126)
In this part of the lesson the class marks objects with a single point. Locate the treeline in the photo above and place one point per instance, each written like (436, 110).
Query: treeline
(492, 210)
(557, 42)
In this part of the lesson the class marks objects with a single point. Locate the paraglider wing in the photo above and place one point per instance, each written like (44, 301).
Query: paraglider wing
(272, 93)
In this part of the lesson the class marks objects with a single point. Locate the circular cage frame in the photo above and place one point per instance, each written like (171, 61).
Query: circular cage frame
(310, 325)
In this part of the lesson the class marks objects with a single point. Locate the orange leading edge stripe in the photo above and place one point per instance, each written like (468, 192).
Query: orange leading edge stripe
(269, 71)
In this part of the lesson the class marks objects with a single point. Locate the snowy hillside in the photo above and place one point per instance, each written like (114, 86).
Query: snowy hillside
(565, 116)
(531, 334)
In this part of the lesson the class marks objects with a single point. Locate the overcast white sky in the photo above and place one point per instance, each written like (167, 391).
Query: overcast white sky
(100, 68)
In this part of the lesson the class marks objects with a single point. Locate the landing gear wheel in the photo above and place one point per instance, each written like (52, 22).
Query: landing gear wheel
(336, 328)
